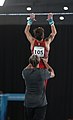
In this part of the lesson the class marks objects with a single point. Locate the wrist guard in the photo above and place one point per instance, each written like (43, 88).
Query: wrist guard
(50, 21)
(30, 21)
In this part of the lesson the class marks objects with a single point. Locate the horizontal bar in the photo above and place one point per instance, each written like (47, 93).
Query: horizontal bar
(13, 97)
(16, 97)
(27, 14)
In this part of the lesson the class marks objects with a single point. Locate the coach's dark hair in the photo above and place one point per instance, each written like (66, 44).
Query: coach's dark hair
(39, 33)
(34, 60)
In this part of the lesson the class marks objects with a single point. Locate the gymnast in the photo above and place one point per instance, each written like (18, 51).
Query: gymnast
(39, 45)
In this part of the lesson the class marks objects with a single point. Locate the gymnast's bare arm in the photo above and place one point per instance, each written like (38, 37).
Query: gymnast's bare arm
(28, 34)
(53, 33)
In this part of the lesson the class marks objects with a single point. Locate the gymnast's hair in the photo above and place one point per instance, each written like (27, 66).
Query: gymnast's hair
(39, 33)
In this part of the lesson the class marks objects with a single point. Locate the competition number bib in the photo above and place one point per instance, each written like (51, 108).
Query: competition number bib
(39, 51)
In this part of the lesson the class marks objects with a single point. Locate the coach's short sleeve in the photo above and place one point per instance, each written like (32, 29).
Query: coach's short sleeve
(45, 74)
(23, 73)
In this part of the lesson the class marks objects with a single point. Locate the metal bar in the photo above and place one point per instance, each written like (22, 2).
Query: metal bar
(27, 14)
(13, 97)
(4, 98)
(16, 97)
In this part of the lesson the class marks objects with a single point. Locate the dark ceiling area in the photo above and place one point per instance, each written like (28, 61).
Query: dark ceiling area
(37, 6)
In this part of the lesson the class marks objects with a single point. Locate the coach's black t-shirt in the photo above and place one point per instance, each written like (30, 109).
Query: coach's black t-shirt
(35, 89)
